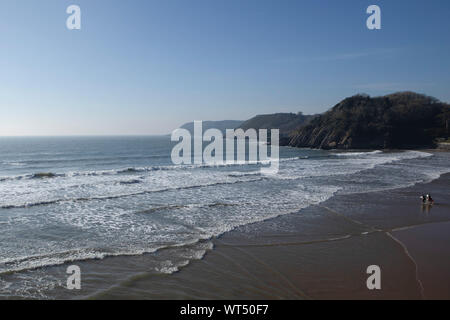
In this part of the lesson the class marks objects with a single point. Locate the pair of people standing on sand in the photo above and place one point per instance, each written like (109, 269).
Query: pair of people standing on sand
(427, 199)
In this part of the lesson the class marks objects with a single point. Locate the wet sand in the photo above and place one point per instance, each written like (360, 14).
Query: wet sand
(433, 260)
(322, 252)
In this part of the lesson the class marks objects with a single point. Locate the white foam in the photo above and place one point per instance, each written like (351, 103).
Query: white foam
(114, 224)
(355, 154)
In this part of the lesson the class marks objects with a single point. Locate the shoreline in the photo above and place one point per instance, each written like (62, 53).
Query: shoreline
(322, 252)
(319, 252)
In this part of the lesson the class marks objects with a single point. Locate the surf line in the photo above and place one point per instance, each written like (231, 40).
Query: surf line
(213, 154)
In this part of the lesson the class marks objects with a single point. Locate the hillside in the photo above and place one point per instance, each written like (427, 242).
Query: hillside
(285, 122)
(400, 120)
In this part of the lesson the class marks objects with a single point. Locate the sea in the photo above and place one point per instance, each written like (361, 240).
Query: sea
(118, 207)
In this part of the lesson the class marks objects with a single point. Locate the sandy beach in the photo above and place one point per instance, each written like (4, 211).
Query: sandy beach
(224, 150)
(322, 252)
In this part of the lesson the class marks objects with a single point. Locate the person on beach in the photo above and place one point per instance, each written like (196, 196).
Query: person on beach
(427, 199)
(424, 199)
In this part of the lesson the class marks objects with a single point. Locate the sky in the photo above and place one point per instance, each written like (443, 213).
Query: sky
(147, 66)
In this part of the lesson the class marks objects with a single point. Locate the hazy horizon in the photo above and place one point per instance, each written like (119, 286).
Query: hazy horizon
(150, 67)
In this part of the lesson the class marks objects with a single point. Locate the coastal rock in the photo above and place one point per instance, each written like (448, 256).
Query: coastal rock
(285, 122)
(401, 120)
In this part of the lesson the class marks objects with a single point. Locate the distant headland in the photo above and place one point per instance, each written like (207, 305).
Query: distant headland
(402, 120)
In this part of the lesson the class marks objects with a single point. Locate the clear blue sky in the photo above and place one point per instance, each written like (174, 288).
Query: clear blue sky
(147, 66)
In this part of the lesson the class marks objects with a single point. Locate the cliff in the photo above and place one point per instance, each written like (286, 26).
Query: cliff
(396, 121)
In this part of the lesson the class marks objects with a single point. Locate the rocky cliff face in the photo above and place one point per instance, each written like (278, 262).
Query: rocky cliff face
(401, 120)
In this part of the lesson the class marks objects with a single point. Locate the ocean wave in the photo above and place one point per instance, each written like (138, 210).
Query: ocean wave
(182, 206)
(243, 174)
(86, 159)
(118, 196)
(44, 175)
(38, 175)
(57, 258)
(16, 264)
(32, 262)
(137, 170)
(169, 267)
(127, 182)
(240, 176)
(356, 154)
(14, 163)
